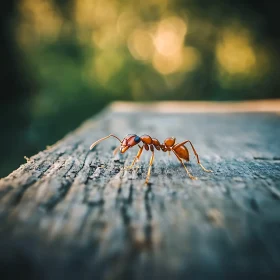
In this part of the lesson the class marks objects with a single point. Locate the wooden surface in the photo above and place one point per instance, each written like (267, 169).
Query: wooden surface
(71, 213)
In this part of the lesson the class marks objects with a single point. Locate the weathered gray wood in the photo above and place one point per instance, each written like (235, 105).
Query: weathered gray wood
(69, 213)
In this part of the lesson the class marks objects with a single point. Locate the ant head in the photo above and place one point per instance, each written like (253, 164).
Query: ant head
(129, 141)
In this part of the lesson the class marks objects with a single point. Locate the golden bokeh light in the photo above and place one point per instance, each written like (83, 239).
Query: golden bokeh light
(96, 13)
(105, 12)
(167, 64)
(191, 59)
(127, 21)
(84, 13)
(170, 35)
(140, 44)
(108, 27)
(97, 20)
(112, 34)
(170, 55)
(106, 38)
(235, 52)
(185, 60)
(33, 23)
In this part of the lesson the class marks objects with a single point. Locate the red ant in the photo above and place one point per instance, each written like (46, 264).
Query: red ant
(180, 150)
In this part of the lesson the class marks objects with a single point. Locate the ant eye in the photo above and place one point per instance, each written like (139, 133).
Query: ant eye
(137, 139)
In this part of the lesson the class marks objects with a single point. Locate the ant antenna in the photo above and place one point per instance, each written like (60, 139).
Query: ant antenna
(104, 138)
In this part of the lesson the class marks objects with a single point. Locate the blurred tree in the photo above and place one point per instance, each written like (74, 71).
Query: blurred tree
(15, 91)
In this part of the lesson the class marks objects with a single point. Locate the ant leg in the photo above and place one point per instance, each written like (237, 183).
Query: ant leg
(150, 167)
(136, 158)
(190, 175)
(197, 157)
(204, 169)
(116, 150)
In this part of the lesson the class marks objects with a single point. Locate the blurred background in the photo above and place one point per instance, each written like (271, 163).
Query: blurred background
(63, 61)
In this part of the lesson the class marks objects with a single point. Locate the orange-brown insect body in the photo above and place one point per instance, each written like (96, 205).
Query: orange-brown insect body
(149, 143)
(182, 152)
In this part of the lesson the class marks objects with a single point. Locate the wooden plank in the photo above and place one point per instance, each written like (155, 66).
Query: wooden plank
(257, 106)
(70, 212)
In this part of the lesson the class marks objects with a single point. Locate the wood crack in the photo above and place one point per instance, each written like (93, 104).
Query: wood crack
(148, 208)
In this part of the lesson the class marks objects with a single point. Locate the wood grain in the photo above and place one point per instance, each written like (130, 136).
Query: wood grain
(72, 213)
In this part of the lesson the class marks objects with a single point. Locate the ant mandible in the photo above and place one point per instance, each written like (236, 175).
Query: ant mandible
(149, 143)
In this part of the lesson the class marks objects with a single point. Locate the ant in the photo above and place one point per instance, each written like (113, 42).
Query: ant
(149, 143)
